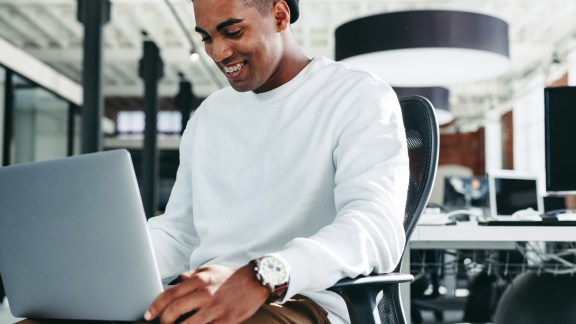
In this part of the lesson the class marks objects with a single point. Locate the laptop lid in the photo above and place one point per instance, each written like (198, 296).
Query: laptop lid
(74, 243)
(512, 191)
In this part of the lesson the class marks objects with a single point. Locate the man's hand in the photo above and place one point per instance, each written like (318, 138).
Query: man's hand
(211, 294)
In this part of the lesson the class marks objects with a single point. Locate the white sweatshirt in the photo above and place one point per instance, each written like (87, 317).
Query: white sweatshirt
(314, 172)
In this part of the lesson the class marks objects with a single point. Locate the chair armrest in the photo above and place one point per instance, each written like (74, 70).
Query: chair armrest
(374, 280)
(361, 295)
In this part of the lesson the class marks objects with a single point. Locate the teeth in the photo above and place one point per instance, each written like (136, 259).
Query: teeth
(234, 68)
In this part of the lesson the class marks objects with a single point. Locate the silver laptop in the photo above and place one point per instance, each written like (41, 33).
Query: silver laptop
(73, 239)
(514, 195)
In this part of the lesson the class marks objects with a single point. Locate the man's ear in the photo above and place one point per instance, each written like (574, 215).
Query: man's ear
(281, 13)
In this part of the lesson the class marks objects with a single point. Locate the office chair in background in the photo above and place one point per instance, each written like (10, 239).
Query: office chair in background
(362, 294)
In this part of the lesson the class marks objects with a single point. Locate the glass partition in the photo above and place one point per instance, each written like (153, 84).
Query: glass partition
(40, 124)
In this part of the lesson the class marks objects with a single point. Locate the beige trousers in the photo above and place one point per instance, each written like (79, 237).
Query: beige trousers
(297, 310)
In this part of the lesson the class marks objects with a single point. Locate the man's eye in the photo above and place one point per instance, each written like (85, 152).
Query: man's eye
(206, 39)
(233, 34)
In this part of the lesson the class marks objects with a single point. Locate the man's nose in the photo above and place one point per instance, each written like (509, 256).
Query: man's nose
(221, 51)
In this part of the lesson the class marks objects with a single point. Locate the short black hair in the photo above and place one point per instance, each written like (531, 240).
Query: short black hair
(261, 5)
(264, 7)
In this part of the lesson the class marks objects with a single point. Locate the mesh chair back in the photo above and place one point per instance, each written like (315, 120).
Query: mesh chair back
(422, 139)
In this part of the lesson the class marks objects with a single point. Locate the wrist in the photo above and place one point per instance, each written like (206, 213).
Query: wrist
(262, 292)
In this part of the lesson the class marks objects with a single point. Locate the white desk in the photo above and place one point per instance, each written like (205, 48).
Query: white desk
(472, 236)
(466, 233)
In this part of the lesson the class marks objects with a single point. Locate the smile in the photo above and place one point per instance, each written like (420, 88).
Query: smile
(234, 68)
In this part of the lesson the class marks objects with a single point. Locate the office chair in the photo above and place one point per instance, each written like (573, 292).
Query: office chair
(362, 294)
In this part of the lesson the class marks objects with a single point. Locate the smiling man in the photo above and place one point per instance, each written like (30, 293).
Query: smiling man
(289, 180)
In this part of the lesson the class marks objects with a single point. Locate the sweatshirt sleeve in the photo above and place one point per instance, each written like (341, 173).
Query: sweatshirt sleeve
(371, 180)
(173, 234)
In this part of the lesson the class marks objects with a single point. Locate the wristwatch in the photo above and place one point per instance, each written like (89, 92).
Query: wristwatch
(274, 274)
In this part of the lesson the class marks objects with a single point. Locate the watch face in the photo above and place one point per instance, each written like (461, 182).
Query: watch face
(273, 270)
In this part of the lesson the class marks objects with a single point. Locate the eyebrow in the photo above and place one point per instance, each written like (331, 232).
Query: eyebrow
(221, 25)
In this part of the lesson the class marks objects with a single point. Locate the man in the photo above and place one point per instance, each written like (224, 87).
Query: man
(293, 178)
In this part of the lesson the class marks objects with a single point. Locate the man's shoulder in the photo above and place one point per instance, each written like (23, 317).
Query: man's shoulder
(340, 69)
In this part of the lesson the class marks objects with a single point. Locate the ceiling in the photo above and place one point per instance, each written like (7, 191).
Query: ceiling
(541, 34)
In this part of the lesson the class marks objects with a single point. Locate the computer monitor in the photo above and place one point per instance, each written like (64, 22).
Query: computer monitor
(511, 191)
(554, 203)
(463, 192)
(560, 132)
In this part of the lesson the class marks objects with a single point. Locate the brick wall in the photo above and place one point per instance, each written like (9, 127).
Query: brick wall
(465, 149)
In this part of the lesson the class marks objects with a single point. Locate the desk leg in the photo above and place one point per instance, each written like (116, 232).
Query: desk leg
(450, 272)
(405, 287)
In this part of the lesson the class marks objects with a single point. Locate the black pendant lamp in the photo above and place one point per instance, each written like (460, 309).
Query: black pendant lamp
(426, 48)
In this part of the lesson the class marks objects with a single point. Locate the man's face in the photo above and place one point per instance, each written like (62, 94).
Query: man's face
(245, 45)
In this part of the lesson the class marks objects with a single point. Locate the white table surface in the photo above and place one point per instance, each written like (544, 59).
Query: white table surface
(471, 232)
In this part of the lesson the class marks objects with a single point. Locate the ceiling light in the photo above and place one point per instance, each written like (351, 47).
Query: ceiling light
(426, 48)
(194, 56)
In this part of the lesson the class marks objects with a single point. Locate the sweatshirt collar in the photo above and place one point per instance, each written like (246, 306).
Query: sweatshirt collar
(288, 87)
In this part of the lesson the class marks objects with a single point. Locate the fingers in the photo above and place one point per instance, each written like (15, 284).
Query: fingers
(162, 301)
(209, 295)
(180, 310)
(202, 316)
(188, 286)
(196, 307)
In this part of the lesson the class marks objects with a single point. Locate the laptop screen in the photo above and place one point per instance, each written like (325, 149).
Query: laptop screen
(510, 193)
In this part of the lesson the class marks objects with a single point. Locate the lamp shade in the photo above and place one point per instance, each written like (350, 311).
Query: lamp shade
(425, 48)
(438, 96)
